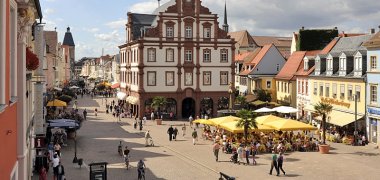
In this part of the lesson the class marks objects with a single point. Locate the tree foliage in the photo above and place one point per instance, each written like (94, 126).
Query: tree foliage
(247, 121)
(323, 109)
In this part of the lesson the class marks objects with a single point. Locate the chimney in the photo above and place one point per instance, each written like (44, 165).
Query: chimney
(372, 31)
(303, 28)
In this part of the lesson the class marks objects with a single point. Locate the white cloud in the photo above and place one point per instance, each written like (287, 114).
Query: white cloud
(48, 11)
(117, 24)
(91, 30)
(113, 36)
(146, 7)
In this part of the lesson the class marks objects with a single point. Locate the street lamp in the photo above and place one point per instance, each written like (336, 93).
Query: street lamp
(230, 91)
(75, 160)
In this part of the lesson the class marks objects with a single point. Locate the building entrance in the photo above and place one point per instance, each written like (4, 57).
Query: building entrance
(188, 108)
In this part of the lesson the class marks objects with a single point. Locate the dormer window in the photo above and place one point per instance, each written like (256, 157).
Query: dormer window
(329, 70)
(305, 64)
(342, 63)
(358, 63)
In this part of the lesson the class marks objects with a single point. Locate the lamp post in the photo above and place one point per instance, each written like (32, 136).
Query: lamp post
(356, 125)
(75, 160)
(230, 91)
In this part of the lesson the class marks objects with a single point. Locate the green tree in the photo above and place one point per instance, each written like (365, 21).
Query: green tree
(263, 95)
(323, 109)
(241, 100)
(158, 102)
(247, 121)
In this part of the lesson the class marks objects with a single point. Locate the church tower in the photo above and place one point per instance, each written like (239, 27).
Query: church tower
(225, 25)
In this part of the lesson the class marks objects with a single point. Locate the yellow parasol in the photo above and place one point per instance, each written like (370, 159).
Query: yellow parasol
(267, 119)
(231, 127)
(204, 121)
(57, 103)
(225, 119)
(290, 125)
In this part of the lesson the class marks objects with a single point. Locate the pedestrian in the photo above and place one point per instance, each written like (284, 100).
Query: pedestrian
(170, 132)
(43, 173)
(274, 163)
(60, 171)
(85, 114)
(152, 116)
(96, 112)
(247, 152)
(171, 116)
(240, 154)
(55, 164)
(183, 129)
(280, 161)
(195, 136)
(140, 124)
(111, 108)
(191, 121)
(57, 149)
(147, 137)
(175, 133)
(216, 148)
(144, 119)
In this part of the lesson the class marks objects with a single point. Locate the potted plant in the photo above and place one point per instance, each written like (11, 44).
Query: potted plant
(247, 121)
(323, 109)
(158, 102)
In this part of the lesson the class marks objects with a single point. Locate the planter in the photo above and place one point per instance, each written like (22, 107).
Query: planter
(324, 149)
(159, 121)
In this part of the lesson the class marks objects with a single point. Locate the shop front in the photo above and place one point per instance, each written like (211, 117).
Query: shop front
(374, 124)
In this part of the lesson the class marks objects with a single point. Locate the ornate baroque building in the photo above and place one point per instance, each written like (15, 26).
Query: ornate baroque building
(178, 52)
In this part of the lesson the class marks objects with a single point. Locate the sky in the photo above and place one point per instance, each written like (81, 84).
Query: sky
(100, 24)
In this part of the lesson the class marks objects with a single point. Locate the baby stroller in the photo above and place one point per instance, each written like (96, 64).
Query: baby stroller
(234, 157)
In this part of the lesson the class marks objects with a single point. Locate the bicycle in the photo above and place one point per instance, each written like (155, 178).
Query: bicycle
(141, 174)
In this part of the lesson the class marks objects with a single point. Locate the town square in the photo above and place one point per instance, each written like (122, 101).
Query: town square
(189, 89)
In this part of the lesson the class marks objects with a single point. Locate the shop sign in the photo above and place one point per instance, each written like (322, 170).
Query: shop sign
(335, 102)
(374, 111)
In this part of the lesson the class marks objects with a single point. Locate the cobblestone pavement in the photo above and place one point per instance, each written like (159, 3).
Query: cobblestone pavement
(181, 160)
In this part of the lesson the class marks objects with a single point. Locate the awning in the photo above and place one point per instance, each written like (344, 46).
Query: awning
(220, 120)
(121, 95)
(263, 110)
(116, 85)
(258, 103)
(285, 109)
(340, 118)
(56, 103)
(250, 97)
(204, 121)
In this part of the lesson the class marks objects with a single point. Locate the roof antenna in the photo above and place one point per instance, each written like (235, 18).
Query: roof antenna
(159, 4)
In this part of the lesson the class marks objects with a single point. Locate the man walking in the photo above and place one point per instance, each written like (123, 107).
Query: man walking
(152, 116)
(170, 132)
(175, 133)
(85, 114)
(216, 148)
(194, 135)
(183, 129)
(274, 163)
(191, 120)
(61, 171)
(147, 137)
(280, 161)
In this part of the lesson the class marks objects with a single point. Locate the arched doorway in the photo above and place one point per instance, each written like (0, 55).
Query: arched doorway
(188, 107)
(206, 107)
(223, 103)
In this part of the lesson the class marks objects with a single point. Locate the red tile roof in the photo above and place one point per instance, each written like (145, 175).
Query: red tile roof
(343, 34)
(241, 56)
(302, 72)
(244, 72)
(243, 38)
(312, 53)
(277, 41)
(291, 66)
(374, 41)
(261, 54)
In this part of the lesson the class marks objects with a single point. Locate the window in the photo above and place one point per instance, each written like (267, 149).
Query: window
(299, 86)
(269, 84)
(302, 88)
(320, 89)
(3, 11)
(207, 78)
(315, 88)
(357, 92)
(151, 55)
(223, 55)
(334, 90)
(373, 94)
(373, 62)
(188, 32)
(342, 63)
(277, 67)
(342, 87)
(170, 31)
(224, 78)
(349, 93)
(358, 63)
(169, 76)
(305, 64)
(286, 87)
(206, 55)
(188, 55)
(327, 92)
(151, 78)
(13, 51)
(278, 86)
(188, 78)
(170, 55)
(206, 32)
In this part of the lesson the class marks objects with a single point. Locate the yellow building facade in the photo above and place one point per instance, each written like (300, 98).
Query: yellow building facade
(267, 83)
(340, 93)
(286, 92)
